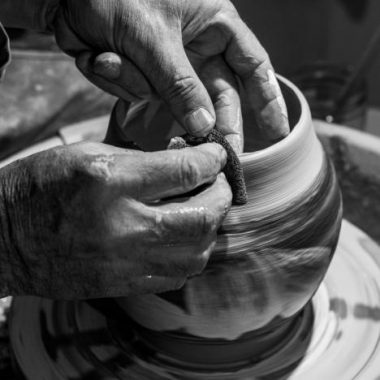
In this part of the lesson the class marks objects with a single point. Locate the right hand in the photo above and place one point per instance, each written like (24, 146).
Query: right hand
(188, 52)
(87, 220)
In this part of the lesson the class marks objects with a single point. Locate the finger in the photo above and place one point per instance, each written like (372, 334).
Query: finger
(84, 64)
(167, 244)
(222, 87)
(173, 77)
(124, 73)
(116, 280)
(110, 65)
(153, 176)
(186, 233)
(151, 285)
(66, 39)
(177, 237)
(198, 217)
(251, 63)
(180, 260)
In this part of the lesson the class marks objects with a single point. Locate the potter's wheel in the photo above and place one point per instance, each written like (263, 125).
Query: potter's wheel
(337, 336)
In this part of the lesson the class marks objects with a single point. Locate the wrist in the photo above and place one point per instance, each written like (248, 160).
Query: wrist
(28, 14)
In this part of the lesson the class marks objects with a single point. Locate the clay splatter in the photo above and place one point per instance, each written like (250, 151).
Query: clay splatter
(339, 307)
(367, 312)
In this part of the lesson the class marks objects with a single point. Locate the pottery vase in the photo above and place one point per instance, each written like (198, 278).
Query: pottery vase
(272, 253)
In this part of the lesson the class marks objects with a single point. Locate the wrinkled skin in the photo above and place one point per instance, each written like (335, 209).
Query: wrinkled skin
(83, 221)
(190, 53)
(86, 220)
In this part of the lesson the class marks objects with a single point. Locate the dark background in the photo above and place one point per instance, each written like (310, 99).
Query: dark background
(295, 32)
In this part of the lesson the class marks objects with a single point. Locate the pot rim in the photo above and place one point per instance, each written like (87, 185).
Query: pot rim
(296, 133)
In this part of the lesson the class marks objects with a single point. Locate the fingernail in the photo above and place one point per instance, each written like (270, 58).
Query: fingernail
(107, 66)
(199, 123)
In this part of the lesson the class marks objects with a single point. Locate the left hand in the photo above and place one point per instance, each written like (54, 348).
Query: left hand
(89, 220)
(188, 52)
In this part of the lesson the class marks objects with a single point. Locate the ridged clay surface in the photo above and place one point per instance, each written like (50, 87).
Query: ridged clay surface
(272, 253)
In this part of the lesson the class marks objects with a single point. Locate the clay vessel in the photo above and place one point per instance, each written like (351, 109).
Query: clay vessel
(271, 254)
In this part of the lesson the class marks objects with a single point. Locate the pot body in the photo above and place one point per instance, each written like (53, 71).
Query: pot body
(272, 253)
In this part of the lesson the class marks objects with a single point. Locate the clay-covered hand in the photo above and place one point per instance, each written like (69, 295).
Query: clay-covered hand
(190, 53)
(91, 220)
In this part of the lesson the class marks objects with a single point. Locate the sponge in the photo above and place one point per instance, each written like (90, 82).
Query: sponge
(232, 170)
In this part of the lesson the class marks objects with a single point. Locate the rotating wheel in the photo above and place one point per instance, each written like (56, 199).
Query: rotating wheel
(338, 335)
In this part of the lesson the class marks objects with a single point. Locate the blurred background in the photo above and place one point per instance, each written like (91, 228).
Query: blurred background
(302, 32)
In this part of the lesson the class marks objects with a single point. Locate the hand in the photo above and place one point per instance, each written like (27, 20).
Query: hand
(188, 52)
(87, 220)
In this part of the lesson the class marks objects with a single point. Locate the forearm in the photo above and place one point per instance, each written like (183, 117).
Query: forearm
(7, 190)
(28, 14)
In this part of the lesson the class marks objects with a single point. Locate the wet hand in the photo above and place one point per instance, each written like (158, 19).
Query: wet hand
(89, 220)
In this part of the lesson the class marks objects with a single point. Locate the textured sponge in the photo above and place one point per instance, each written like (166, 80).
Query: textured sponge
(232, 170)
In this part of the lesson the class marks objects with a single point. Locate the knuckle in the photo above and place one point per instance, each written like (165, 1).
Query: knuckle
(263, 63)
(190, 173)
(181, 89)
(270, 102)
(79, 162)
(256, 68)
(225, 99)
(100, 169)
(226, 15)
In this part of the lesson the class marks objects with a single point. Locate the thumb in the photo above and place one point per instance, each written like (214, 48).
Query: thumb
(175, 80)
